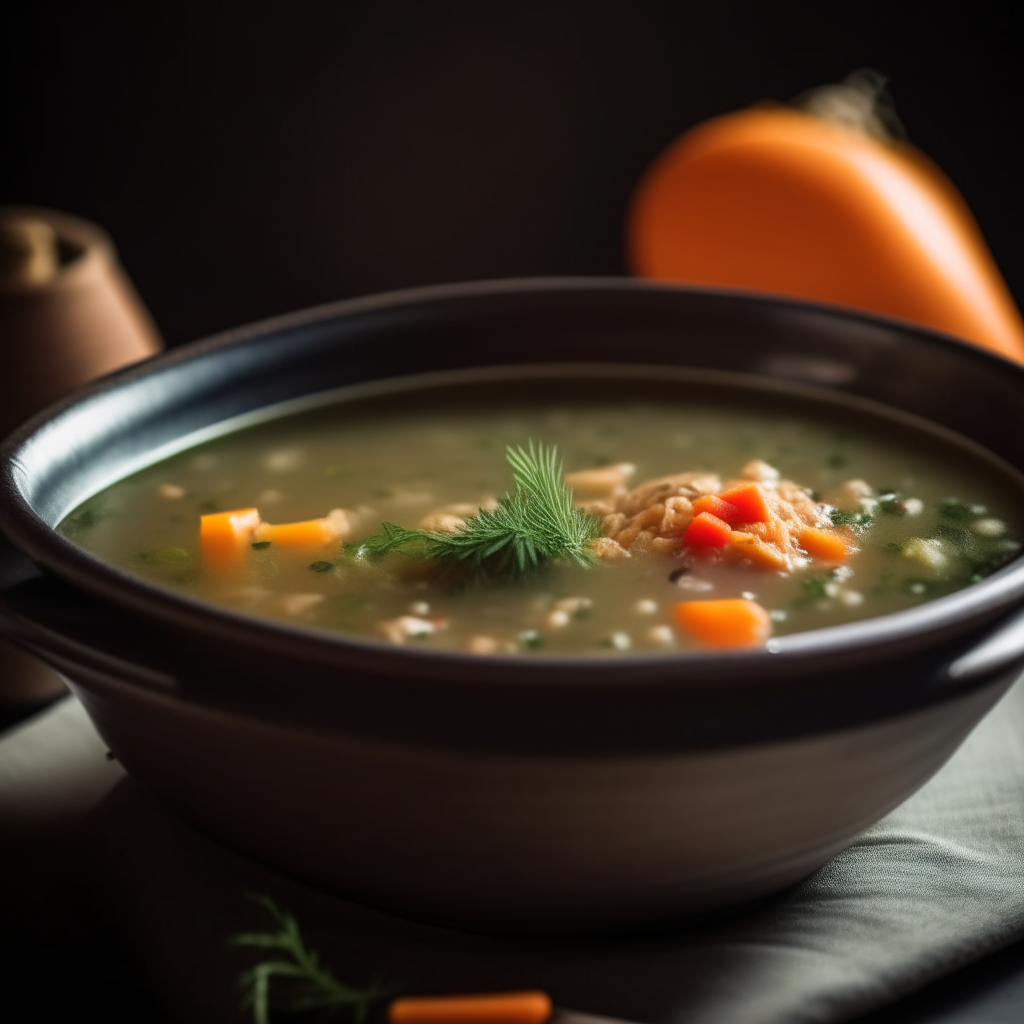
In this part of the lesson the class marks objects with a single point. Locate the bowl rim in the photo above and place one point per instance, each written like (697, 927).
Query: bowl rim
(20, 522)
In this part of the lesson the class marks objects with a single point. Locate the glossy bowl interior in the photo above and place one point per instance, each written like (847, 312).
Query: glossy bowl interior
(549, 793)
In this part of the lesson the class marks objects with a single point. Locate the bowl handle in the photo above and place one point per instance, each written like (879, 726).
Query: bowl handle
(996, 653)
(72, 631)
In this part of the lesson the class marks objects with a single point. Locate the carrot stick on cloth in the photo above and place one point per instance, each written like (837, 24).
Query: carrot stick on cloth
(527, 1007)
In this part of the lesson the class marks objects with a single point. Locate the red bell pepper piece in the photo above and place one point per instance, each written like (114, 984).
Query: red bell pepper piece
(707, 530)
(716, 506)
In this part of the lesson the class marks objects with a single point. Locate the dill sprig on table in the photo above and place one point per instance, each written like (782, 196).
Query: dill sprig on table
(311, 987)
(533, 525)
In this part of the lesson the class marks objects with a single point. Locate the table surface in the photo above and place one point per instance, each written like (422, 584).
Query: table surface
(84, 971)
(72, 965)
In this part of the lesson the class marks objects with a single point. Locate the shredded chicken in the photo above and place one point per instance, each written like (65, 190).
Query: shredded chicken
(604, 482)
(655, 515)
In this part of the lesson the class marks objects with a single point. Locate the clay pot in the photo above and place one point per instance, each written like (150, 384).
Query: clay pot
(68, 313)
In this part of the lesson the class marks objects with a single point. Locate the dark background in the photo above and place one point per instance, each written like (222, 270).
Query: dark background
(254, 158)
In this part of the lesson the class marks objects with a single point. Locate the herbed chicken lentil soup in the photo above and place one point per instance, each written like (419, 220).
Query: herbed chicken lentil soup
(567, 517)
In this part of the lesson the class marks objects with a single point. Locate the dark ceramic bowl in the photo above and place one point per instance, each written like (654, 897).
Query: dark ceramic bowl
(539, 793)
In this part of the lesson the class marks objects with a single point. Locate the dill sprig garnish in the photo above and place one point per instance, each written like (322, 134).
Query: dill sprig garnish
(311, 987)
(533, 525)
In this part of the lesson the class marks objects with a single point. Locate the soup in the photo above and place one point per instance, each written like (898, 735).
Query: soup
(712, 515)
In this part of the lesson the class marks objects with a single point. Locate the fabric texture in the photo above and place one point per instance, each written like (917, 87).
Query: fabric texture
(936, 884)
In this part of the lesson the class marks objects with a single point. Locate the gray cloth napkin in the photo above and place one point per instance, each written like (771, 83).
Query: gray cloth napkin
(936, 884)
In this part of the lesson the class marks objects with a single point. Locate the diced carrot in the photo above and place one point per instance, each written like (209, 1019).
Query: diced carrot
(224, 537)
(307, 534)
(310, 533)
(732, 622)
(824, 545)
(716, 506)
(707, 530)
(749, 500)
(486, 1008)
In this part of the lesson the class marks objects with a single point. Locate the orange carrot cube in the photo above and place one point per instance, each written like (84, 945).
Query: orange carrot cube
(750, 502)
(224, 537)
(731, 622)
(824, 545)
(707, 530)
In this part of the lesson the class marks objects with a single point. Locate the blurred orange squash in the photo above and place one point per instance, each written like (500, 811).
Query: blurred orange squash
(822, 202)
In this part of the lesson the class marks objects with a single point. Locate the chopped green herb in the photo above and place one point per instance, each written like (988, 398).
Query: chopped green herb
(260, 545)
(985, 556)
(841, 518)
(813, 589)
(209, 505)
(957, 536)
(959, 511)
(531, 639)
(321, 566)
(891, 503)
(892, 548)
(836, 460)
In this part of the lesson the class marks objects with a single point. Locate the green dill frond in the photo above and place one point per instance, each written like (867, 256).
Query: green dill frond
(309, 985)
(535, 524)
(394, 538)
